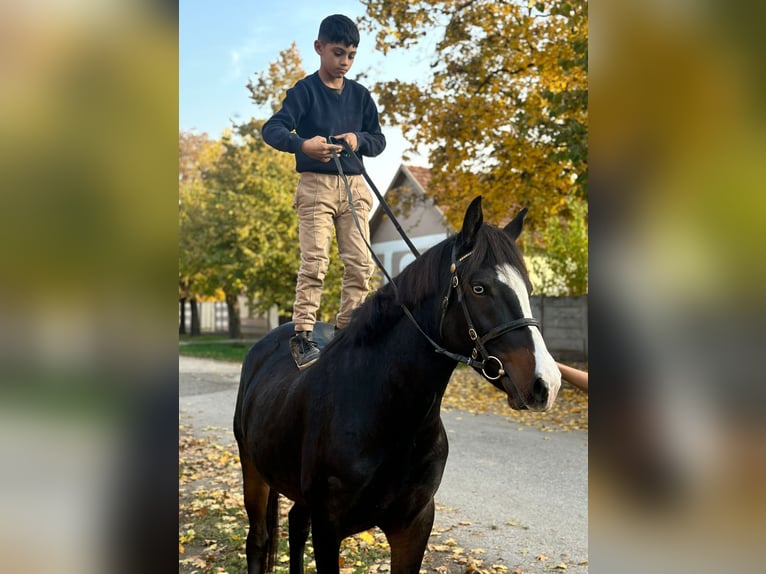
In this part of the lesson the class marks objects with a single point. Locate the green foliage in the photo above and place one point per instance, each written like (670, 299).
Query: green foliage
(217, 350)
(197, 156)
(255, 239)
(561, 266)
(236, 222)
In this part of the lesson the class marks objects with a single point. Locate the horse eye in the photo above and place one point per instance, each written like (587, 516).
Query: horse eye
(478, 289)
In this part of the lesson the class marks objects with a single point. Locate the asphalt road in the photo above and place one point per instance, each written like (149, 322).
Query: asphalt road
(519, 494)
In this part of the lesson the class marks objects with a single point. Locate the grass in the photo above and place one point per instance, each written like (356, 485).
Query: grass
(216, 347)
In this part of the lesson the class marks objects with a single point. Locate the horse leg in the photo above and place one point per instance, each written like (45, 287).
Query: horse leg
(259, 537)
(326, 545)
(408, 541)
(298, 520)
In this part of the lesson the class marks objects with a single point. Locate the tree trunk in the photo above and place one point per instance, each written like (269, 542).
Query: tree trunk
(182, 321)
(195, 327)
(235, 324)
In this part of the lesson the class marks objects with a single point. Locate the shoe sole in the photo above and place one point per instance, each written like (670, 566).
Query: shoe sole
(307, 365)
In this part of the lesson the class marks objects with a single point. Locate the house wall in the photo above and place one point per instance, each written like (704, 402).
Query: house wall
(422, 221)
(395, 255)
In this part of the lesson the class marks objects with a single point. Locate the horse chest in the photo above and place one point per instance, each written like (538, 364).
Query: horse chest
(376, 483)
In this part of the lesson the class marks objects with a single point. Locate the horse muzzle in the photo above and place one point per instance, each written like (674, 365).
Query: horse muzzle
(538, 394)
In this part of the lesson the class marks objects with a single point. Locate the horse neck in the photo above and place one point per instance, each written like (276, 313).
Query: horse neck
(417, 375)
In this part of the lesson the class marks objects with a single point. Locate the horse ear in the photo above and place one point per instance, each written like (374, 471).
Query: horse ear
(471, 223)
(514, 227)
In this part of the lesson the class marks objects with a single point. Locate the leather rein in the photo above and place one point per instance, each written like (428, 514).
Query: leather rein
(479, 342)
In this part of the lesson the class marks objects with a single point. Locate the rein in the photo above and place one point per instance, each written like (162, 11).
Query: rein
(383, 204)
(479, 342)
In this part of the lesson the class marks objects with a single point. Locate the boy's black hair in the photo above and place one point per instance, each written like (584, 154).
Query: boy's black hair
(339, 28)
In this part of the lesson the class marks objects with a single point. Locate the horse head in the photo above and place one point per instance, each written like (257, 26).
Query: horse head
(487, 312)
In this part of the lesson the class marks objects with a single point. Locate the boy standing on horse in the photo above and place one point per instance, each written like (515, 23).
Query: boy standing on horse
(321, 106)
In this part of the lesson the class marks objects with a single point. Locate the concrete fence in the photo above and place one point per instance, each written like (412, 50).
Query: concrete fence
(564, 323)
(563, 320)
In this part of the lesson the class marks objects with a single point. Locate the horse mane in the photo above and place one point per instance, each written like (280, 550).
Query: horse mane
(427, 278)
(494, 247)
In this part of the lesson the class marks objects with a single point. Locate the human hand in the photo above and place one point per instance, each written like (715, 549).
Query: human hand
(317, 148)
(574, 376)
(350, 139)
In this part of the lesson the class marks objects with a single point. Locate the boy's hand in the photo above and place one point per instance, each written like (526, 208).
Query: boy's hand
(317, 148)
(350, 139)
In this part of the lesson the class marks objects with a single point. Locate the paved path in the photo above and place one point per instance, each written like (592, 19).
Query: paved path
(524, 492)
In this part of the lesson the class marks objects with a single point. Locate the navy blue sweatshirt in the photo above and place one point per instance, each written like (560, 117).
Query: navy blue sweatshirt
(310, 108)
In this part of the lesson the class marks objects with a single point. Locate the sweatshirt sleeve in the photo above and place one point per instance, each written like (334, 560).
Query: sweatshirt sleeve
(279, 130)
(371, 140)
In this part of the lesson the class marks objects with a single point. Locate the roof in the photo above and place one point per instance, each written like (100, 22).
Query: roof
(422, 175)
(418, 177)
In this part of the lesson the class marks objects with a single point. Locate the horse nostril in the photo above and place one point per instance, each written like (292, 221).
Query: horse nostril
(540, 391)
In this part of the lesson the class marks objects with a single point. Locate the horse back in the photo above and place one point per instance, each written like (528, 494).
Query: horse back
(271, 408)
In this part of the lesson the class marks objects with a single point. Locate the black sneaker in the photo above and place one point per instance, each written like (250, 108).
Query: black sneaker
(304, 350)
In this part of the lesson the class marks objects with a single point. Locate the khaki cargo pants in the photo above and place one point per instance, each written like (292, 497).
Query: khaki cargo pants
(321, 204)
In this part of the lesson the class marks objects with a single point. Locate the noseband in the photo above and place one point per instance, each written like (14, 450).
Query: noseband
(478, 342)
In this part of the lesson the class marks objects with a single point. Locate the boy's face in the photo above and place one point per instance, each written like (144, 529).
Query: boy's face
(336, 59)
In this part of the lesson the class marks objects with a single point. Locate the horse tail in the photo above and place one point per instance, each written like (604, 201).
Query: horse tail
(272, 527)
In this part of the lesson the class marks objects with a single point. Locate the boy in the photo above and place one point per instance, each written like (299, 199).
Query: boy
(322, 105)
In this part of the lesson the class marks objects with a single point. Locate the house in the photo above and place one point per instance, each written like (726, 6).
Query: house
(420, 218)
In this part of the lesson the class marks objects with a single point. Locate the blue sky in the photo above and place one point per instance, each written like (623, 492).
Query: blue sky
(223, 44)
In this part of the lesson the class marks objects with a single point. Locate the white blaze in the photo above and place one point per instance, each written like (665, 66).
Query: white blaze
(545, 366)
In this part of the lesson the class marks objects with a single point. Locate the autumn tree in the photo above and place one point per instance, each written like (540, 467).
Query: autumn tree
(561, 267)
(270, 86)
(197, 154)
(503, 108)
(249, 224)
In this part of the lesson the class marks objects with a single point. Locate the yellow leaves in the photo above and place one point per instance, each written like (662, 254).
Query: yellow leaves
(505, 103)
(516, 523)
(468, 391)
(213, 525)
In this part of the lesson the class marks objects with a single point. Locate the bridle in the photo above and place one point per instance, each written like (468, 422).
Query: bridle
(479, 342)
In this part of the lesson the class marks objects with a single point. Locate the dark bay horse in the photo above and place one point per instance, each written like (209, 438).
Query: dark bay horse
(356, 440)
